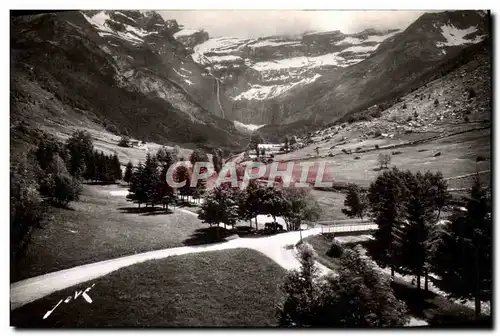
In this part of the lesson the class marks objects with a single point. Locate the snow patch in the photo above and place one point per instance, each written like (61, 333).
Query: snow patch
(300, 62)
(250, 127)
(261, 92)
(186, 32)
(361, 49)
(267, 43)
(455, 36)
(128, 17)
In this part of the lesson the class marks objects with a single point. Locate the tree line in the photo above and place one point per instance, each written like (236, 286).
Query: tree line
(50, 174)
(226, 204)
(407, 208)
(148, 180)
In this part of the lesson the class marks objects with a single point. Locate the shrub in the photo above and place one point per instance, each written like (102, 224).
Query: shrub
(466, 118)
(377, 146)
(335, 250)
(404, 106)
(378, 133)
(124, 142)
(60, 188)
(396, 152)
(471, 92)
(357, 158)
(480, 158)
(409, 118)
(436, 102)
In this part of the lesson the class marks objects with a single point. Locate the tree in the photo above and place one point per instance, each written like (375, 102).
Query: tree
(182, 174)
(199, 156)
(58, 185)
(301, 206)
(357, 297)
(124, 141)
(217, 159)
(272, 202)
(48, 147)
(127, 177)
(164, 192)
(220, 206)
(176, 153)
(116, 168)
(80, 147)
(151, 180)
(356, 202)
(386, 195)
(384, 160)
(163, 156)
(248, 203)
(137, 187)
(255, 141)
(416, 243)
(287, 144)
(26, 206)
(464, 254)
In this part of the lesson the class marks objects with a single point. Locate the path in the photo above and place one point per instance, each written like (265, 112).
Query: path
(274, 247)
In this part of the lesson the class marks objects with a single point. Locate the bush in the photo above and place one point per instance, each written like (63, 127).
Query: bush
(471, 92)
(377, 146)
(404, 106)
(436, 102)
(480, 158)
(396, 152)
(466, 118)
(124, 142)
(60, 188)
(336, 250)
(378, 133)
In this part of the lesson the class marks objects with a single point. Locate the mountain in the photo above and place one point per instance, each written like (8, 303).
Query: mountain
(254, 71)
(390, 71)
(292, 83)
(120, 69)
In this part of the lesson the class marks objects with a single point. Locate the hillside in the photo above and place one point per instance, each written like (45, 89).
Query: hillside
(122, 71)
(444, 126)
(395, 68)
(253, 72)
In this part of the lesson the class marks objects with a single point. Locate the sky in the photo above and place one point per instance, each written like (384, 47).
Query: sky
(254, 23)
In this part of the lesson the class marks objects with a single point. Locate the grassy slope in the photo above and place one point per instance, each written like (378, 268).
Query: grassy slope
(225, 288)
(98, 227)
(458, 152)
(433, 308)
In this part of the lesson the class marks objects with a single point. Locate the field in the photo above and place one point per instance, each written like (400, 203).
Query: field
(230, 288)
(99, 227)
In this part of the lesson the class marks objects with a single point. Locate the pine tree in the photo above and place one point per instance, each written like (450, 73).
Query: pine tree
(117, 169)
(138, 187)
(79, 146)
(128, 172)
(415, 246)
(217, 159)
(220, 206)
(464, 256)
(386, 196)
(165, 193)
(356, 202)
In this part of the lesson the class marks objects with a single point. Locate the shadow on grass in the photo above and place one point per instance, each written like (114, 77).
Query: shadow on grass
(101, 183)
(208, 235)
(182, 204)
(146, 211)
(436, 309)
